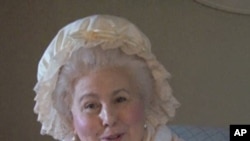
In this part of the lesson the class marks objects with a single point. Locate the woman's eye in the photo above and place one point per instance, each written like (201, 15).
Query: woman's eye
(91, 106)
(121, 99)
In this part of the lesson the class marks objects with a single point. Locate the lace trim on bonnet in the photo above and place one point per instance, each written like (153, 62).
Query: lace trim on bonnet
(108, 32)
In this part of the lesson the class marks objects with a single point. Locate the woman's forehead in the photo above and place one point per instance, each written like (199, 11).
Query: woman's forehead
(109, 81)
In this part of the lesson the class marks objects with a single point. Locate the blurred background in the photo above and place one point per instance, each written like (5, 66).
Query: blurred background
(206, 50)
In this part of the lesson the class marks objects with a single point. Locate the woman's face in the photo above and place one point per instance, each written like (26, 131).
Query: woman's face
(107, 107)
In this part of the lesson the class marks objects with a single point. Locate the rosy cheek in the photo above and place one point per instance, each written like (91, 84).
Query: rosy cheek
(85, 127)
(135, 113)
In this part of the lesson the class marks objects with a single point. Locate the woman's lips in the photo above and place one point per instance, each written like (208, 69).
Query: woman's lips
(114, 137)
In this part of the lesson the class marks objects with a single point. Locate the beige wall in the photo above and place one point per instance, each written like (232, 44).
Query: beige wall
(207, 52)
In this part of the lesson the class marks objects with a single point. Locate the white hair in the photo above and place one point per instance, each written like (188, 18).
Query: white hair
(86, 60)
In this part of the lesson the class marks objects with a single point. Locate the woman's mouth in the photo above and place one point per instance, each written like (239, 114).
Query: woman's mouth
(115, 137)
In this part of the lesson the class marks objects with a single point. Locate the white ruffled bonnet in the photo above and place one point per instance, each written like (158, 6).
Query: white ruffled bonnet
(107, 32)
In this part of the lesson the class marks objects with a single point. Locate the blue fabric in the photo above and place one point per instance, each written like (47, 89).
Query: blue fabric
(192, 133)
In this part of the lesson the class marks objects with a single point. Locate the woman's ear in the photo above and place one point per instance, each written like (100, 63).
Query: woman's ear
(75, 135)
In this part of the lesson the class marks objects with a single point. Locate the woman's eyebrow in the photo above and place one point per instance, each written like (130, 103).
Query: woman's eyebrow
(88, 95)
(120, 90)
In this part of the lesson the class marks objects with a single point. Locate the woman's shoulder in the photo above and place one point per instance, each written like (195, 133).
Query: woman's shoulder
(163, 133)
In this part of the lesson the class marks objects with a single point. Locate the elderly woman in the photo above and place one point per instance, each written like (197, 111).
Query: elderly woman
(99, 81)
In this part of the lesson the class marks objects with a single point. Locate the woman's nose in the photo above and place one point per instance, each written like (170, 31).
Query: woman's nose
(108, 116)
